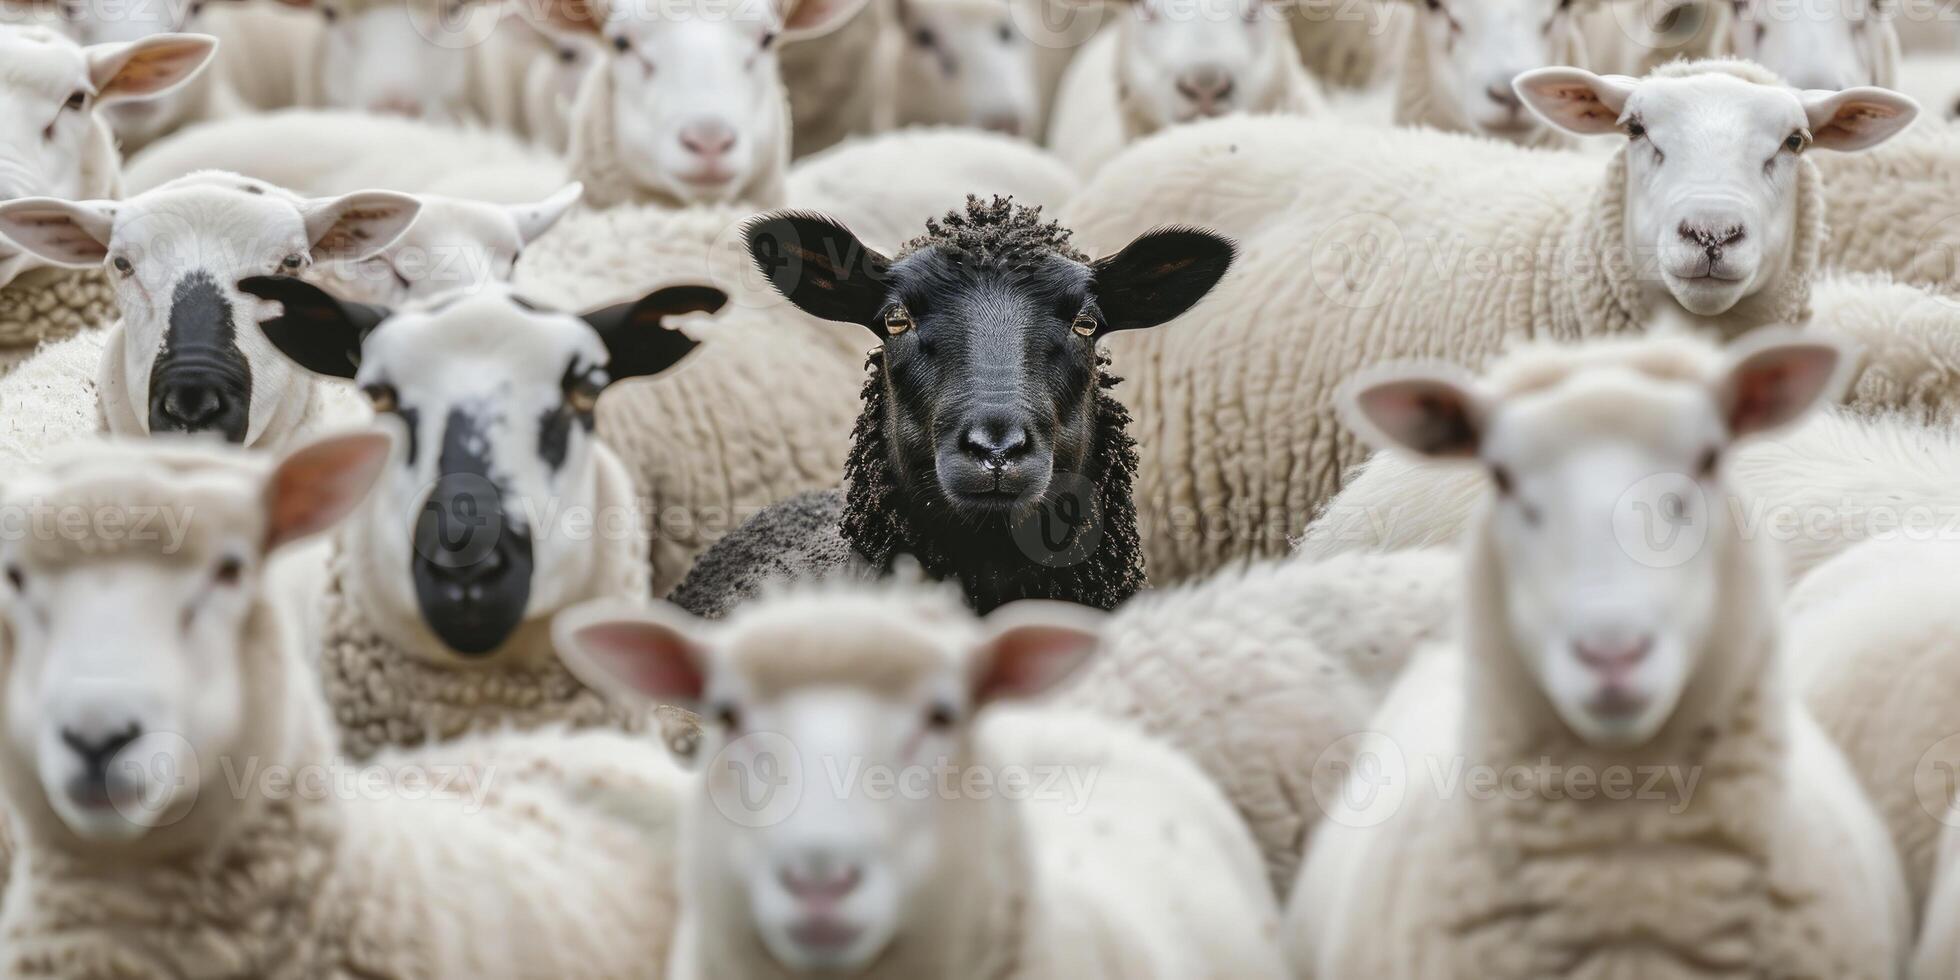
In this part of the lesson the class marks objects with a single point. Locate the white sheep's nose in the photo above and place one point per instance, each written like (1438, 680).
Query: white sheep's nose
(1711, 234)
(1207, 86)
(708, 138)
(1505, 96)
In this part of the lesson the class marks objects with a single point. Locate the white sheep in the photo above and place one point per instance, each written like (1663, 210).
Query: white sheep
(960, 63)
(971, 868)
(1410, 243)
(1262, 676)
(1938, 954)
(1459, 58)
(186, 354)
(1163, 64)
(206, 95)
(54, 142)
(1605, 775)
(179, 805)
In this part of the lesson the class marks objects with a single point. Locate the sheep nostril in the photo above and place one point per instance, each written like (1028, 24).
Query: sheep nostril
(708, 139)
(193, 405)
(97, 751)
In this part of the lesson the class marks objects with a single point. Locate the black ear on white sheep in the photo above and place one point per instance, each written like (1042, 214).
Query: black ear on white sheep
(145, 69)
(1159, 276)
(1030, 648)
(319, 331)
(68, 234)
(638, 341)
(1437, 415)
(1776, 377)
(820, 266)
(635, 654)
(1576, 100)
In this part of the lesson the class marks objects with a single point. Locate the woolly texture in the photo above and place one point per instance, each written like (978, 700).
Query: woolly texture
(1096, 117)
(761, 411)
(1872, 655)
(392, 683)
(1405, 244)
(1895, 209)
(50, 304)
(1417, 101)
(1772, 864)
(1261, 675)
(1907, 340)
(595, 157)
(885, 187)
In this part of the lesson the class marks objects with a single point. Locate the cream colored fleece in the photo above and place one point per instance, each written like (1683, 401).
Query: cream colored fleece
(49, 304)
(594, 157)
(392, 683)
(761, 411)
(1405, 244)
(1895, 209)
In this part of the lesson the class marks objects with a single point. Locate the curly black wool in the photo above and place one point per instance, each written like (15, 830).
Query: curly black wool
(995, 229)
(994, 563)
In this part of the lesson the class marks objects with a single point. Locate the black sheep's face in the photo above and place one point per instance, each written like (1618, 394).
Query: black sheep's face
(991, 374)
(489, 509)
(990, 355)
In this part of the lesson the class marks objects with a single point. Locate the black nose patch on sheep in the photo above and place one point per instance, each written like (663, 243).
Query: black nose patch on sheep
(200, 381)
(472, 562)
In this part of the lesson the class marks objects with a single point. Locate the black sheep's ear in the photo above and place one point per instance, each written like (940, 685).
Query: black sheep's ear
(638, 342)
(319, 331)
(820, 266)
(1157, 277)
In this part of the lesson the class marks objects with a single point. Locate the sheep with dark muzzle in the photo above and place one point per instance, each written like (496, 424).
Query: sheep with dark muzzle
(989, 447)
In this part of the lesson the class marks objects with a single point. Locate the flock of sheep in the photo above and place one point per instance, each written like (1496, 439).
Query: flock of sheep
(979, 488)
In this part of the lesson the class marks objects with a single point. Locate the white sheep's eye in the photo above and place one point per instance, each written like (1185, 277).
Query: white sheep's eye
(382, 397)
(622, 44)
(941, 717)
(583, 397)
(122, 265)
(1798, 142)
(76, 101)
(897, 321)
(1084, 325)
(16, 578)
(229, 571)
(1635, 130)
(293, 262)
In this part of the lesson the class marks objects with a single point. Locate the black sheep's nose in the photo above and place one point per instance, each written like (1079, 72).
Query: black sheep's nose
(95, 751)
(994, 444)
(194, 406)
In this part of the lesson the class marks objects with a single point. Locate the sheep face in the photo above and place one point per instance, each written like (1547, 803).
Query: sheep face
(135, 635)
(989, 353)
(407, 57)
(1712, 169)
(1612, 551)
(95, 22)
(486, 517)
(1180, 60)
(1818, 44)
(872, 703)
(453, 244)
(1476, 48)
(968, 64)
(193, 358)
(50, 138)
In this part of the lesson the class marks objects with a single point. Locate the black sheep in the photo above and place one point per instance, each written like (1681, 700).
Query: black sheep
(989, 447)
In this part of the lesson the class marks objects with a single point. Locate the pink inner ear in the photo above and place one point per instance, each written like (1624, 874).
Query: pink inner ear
(650, 659)
(1028, 661)
(1427, 417)
(1773, 388)
(319, 485)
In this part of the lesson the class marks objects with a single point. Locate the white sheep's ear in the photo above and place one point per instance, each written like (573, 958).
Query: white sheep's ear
(1777, 376)
(1435, 415)
(533, 220)
(1576, 100)
(565, 19)
(1031, 647)
(804, 19)
(145, 69)
(640, 654)
(69, 234)
(318, 484)
(1856, 118)
(357, 226)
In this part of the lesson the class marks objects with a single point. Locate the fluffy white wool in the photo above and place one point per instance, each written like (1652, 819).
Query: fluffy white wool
(1261, 676)
(1770, 863)
(762, 410)
(1896, 208)
(1872, 655)
(1406, 243)
(50, 304)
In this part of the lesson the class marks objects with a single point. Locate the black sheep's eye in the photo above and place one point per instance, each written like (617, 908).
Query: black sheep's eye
(941, 717)
(1798, 142)
(76, 101)
(897, 321)
(382, 397)
(122, 265)
(293, 262)
(1084, 325)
